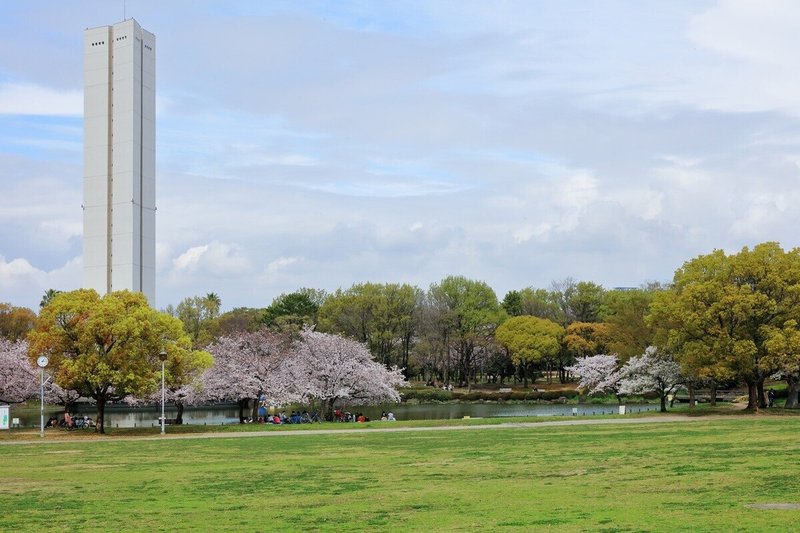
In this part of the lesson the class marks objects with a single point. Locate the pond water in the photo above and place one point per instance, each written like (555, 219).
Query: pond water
(229, 414)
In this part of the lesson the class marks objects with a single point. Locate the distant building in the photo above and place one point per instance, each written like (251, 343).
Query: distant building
(119, 159)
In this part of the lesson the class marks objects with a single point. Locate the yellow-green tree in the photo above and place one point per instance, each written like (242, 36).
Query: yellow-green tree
(529, 340)
(722, 309)
(106, 348)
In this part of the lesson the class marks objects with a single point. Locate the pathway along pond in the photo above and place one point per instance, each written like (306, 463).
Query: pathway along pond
(126, 417)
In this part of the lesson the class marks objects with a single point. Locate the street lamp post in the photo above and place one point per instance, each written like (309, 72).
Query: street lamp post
(163, 357)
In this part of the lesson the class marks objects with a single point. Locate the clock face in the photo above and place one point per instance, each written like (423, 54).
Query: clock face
(42, 361)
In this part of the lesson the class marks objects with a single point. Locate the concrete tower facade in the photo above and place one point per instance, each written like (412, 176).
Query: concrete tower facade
(119, 159)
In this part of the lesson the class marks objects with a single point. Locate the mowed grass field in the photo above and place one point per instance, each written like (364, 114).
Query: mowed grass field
(701, 475)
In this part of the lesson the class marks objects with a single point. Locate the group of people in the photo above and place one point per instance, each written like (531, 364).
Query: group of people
(70, 422)
(346, 416)
(295, 418)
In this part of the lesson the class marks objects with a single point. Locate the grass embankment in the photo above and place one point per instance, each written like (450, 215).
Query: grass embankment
(698, 476)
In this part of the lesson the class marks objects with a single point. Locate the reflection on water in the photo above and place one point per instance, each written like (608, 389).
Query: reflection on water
(127, 417)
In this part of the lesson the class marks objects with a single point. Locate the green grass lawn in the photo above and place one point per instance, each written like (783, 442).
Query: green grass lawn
(701, 475)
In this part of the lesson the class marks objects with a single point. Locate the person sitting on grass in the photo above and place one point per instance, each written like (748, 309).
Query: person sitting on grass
(390, 417)
(68, 421)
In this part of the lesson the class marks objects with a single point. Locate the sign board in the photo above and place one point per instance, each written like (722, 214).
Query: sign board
(622, 409)
(3, 417)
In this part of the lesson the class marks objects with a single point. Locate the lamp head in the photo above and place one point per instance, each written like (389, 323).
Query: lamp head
(162, 356)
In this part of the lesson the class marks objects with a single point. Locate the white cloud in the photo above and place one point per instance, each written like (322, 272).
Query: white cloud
(281, 263)
(214, 258)
(753, 67)
(32, 99)
(22, 283)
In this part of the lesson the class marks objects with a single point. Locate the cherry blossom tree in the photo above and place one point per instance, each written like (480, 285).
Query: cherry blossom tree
(332, 369)
(598, 373)
(653, 371)
(248, 366)
(19, 379)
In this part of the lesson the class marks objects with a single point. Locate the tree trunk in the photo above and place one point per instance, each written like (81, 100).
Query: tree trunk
(762, 399)
(254, 413)
(562, 373)
(101, 416)
(327, 409)
(692, 398)
(242, 404)
(793, 391)
(663, 395)
(179, 416)
(713, 393)
(752, 396)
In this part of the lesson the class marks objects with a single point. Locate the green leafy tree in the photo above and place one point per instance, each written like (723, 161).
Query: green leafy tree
(542, 303)
(200, 318)
(783, 348)
(584, 302)
(625, 313)
(512, 303)
(105, 348)
(240, 320)
(529, 340)
(383, 316)
(290, 312)
(467, 314)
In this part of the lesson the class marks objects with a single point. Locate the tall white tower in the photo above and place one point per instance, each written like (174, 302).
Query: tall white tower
(119, 152)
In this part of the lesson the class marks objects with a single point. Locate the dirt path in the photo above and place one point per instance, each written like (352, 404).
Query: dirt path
(510, 425)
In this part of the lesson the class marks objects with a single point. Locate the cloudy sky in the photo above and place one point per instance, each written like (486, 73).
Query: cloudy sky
(321, 144)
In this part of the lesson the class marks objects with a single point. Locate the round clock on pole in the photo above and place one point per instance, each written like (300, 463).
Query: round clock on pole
(42, 361)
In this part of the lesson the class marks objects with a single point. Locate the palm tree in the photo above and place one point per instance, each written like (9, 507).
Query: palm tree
(48, 297)
(213, 302)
